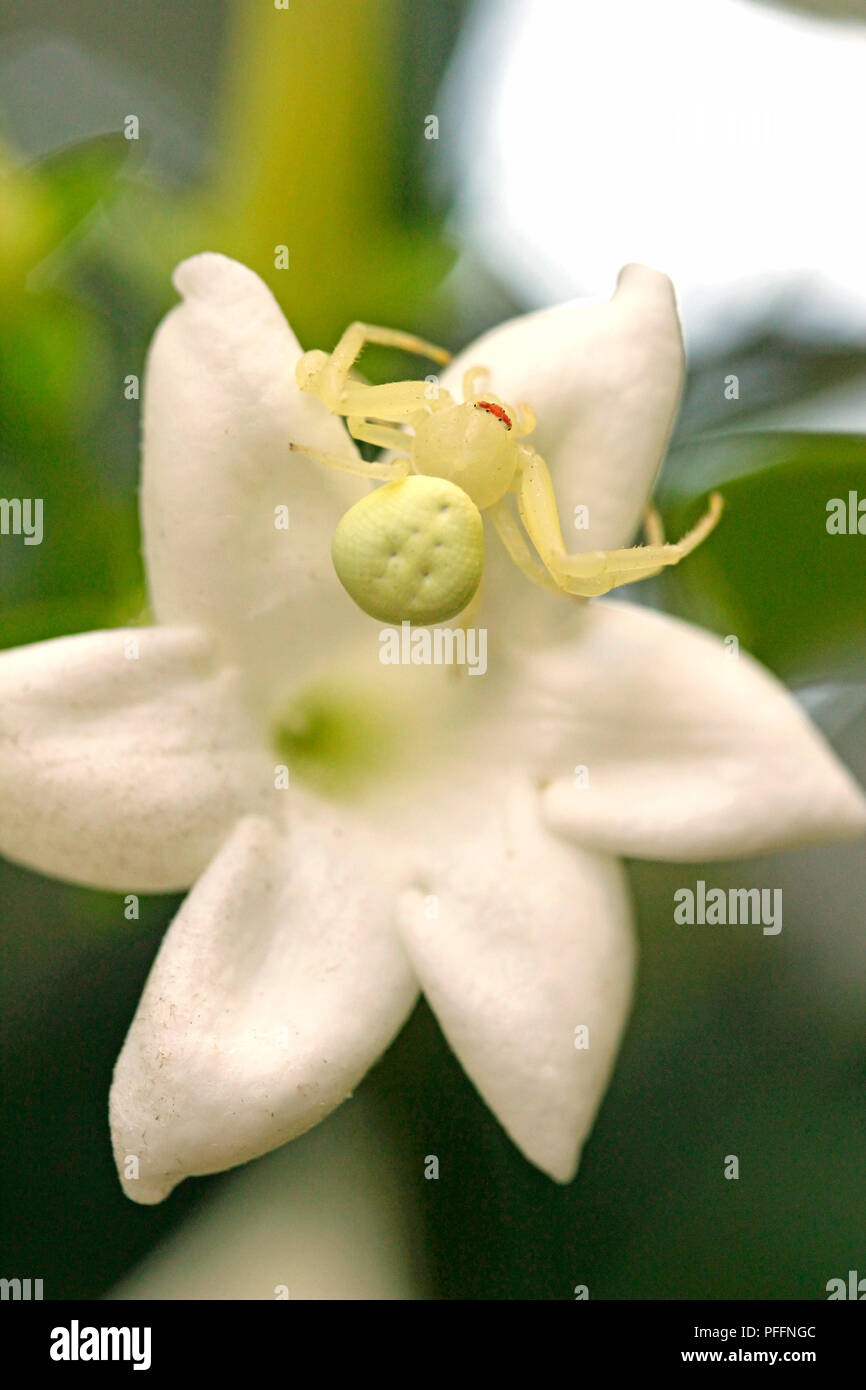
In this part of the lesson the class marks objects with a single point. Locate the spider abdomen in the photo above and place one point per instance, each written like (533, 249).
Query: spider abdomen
(412, 550)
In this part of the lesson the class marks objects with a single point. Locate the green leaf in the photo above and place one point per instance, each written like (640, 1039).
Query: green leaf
(83, 175)
(45, 202)
(86, 572)
(825, 9)
(771, 574)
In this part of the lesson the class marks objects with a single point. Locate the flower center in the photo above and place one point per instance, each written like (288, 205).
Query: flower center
(335, 739)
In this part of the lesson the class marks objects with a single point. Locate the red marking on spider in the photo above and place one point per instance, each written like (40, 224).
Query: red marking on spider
(496, 410)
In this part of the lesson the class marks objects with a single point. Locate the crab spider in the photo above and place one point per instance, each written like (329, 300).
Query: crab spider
(414, 549)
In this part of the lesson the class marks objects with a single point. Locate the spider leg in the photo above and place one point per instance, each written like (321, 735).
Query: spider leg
(469, 381)
(389, 472)
(357, 335)
(654, 531)
(512, 538)
(653, 527)
(385, 436)
(397, 402)
(328, 376)
(525, 421)
(596, 571)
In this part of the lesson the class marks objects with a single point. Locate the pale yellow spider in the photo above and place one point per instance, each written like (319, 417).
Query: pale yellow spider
(413, 550)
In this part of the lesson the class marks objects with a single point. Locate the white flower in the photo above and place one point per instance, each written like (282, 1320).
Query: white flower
(433, 834)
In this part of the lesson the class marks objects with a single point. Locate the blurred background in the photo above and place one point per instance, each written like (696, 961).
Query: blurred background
(720, 140)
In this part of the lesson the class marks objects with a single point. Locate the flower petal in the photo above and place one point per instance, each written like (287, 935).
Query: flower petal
(533, 940)
(278, 985)
(125, 758)
(221, 407)
(681, 752)
(297, 1221)
(604, 381)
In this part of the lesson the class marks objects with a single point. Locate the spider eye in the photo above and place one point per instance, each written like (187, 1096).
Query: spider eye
(495, 410)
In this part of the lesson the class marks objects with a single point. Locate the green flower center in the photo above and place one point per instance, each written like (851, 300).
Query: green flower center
(335, 739)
